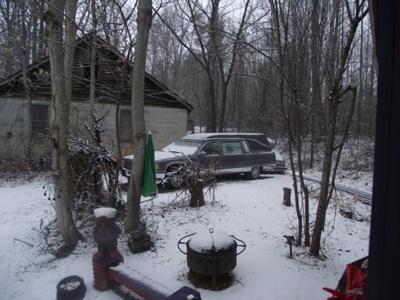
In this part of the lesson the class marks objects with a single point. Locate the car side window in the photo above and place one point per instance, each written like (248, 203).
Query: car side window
(211, 148)
(256, 146)
(231, 148)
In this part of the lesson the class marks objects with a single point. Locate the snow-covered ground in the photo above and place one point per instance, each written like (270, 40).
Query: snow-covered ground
(251, 210)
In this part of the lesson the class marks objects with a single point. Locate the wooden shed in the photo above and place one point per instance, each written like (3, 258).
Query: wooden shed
(166, 114)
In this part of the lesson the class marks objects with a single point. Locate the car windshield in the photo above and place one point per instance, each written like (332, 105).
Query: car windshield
(186, 147)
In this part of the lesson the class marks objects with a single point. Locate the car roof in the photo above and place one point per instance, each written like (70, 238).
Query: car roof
(208, 135)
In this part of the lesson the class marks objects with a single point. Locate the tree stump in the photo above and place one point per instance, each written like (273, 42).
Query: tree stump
(196, 193)
(286, 196)
(139, 241)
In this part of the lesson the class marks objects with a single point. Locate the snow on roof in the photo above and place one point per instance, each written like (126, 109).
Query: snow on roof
(107, 212)
(206, 135)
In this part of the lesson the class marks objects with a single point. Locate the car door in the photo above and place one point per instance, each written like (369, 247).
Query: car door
(209, 156)
(232, 157)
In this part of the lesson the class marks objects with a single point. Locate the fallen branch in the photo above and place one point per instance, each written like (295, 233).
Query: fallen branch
(26, 243)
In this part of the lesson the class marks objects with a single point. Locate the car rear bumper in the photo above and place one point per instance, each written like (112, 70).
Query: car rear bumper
(278, 167)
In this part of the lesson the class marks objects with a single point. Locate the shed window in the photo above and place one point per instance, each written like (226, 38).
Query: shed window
(40, 118)
(125, 126)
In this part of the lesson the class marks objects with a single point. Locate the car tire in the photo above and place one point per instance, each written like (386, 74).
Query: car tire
(255, 172)
(175, 181)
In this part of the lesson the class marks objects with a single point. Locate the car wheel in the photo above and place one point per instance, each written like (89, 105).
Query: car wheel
(255, 172)
(175, 179)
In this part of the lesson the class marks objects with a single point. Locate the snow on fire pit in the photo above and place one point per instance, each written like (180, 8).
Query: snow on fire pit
(211, 241)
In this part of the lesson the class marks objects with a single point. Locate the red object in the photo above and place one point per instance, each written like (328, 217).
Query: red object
(116, 257)
(101, 280)
(356, 284)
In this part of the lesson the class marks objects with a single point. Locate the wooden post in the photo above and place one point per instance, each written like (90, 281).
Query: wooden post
(286, 196)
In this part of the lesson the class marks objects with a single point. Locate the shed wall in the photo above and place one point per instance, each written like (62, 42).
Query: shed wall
(13, 132)
(166, 124)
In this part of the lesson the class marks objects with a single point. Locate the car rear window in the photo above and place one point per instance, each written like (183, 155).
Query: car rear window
(255, 146)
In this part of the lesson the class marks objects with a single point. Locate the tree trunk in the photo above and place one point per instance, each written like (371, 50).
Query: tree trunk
(325, 180)
(92, 91)
(27, 89)
(211, 125)
(97, 177)
(304, 189)
(24, 56)
(61, 97)
(144, 19)
(41, 36)
(34, 47)
(336, 92)
(296, 192)
(213, 71)
(371, 107)
(360, 103)
(315, 75)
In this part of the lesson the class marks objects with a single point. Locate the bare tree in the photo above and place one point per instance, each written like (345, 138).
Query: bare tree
(291, 41)
(93, 56)
(317, 25)
(336, 93)
(144, 19)
(24, 58)
(211, 52)
(61, 62)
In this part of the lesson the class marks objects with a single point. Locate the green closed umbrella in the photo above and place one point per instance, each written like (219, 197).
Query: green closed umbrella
(149, 176)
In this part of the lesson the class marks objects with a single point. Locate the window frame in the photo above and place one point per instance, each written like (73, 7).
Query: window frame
(212, 141)
(39, 126)
(124, 136)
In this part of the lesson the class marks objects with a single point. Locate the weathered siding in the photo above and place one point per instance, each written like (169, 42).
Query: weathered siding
(166, 125)
(13, 131)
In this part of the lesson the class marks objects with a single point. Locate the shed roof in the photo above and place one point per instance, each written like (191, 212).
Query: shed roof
(167, 96)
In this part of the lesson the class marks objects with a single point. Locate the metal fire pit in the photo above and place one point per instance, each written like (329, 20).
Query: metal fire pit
(212, 253)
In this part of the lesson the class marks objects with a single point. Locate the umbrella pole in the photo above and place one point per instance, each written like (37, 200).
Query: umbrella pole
(152, 208)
